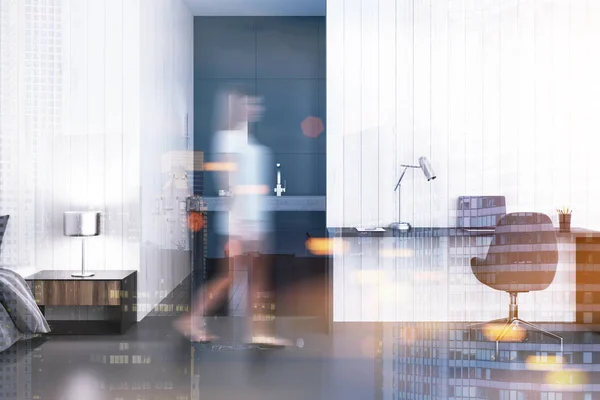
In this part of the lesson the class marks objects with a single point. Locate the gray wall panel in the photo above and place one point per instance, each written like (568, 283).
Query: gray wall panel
(287, 47)
(224, 47)
(281, 59)
(288, 102)
(322, 48)
(322, 113)
(322, 177)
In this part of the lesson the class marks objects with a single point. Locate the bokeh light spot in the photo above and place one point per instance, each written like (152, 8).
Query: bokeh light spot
(220, 166)
(326, 246)
(195, 221)
(567, 378)
(312, 127)
(232, 248)
(514, 334)
(543, 363)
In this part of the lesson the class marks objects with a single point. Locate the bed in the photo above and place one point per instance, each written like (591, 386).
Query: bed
(20, 317)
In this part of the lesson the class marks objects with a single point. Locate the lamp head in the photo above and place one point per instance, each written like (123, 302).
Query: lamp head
(427, 169)
(81, 223)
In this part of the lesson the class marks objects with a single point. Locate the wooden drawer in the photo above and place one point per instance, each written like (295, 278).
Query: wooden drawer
(78, 293)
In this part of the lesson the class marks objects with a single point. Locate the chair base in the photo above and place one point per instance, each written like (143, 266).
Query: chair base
(510, 323)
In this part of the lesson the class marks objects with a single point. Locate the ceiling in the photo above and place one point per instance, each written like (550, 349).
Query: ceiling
(257, 7)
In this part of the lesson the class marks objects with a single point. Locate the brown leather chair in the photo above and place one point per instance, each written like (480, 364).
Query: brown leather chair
(522, 258)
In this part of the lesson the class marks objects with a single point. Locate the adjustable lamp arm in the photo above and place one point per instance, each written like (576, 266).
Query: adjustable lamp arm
(404, 172)
(429, 174)
(403, 226)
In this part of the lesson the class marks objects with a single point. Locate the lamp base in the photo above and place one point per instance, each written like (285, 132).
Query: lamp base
(400, 226)
(82, 274)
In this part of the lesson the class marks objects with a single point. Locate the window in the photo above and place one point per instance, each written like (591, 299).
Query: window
(587, 357)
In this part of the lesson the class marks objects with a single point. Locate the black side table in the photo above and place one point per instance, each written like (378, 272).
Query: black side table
(115, 291)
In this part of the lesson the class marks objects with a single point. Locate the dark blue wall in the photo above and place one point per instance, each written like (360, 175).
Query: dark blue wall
(281, 59)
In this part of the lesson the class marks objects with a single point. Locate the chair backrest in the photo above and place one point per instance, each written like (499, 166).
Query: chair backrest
(523, 254)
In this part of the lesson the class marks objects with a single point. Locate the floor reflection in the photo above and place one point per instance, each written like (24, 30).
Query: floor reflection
(355, 361)
(456, 361)
(351, 360)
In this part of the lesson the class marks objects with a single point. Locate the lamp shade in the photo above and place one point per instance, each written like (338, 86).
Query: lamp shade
(427, 169)
(82, 223)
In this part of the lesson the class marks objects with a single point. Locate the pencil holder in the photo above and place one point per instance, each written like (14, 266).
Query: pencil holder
(564, 222)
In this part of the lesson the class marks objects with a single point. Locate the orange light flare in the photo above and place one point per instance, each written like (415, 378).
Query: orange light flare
(326, 246)
(515, 333)
(544, 363)
(220, 166)
(567, 378)
(251, 189)
(233, 247)
(195, 221)
(312, 127)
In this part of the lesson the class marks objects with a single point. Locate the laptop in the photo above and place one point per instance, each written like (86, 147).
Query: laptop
(480, 213)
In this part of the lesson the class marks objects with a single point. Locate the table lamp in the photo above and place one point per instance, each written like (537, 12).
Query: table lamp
(82, 224)
(425, 166)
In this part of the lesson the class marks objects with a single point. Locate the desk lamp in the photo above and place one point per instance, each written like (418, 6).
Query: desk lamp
(425, 166)
(82, 224)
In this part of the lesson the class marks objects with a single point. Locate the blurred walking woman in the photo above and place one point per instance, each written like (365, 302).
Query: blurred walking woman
(247, 224)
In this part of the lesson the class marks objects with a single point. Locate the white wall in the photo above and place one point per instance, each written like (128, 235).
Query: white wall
(166, 106)
(20, 124)
(99, 92)
(502, 96)
(95, 166)
(67, 131)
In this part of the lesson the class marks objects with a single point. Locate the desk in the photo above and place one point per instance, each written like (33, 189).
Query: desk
(425, 275)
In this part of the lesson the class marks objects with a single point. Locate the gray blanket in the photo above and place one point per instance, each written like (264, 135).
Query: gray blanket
(20, 317)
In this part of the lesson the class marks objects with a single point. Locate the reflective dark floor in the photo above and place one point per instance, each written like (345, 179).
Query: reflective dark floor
(152, 361)
(355, 361)
(350, 360)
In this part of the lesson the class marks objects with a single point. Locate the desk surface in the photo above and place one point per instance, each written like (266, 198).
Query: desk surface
(62, 275)
(440, 232)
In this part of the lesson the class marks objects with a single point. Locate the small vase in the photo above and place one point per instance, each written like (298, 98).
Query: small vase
(564, 222)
